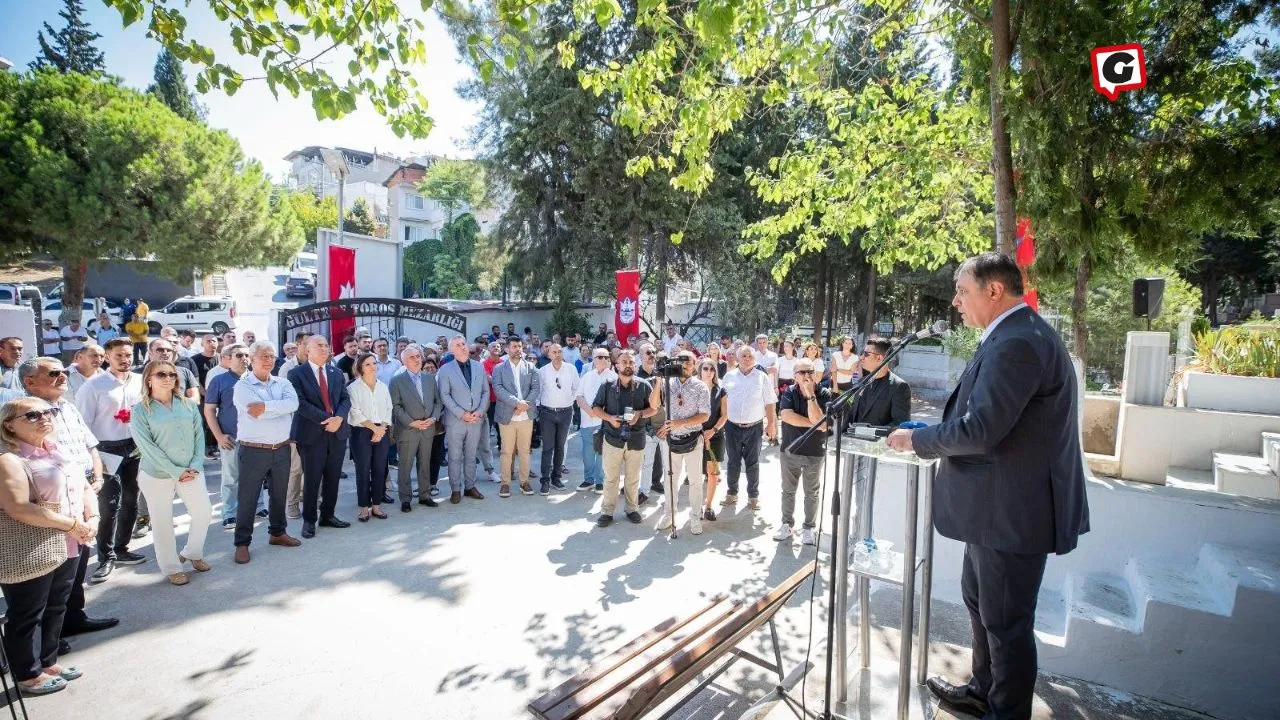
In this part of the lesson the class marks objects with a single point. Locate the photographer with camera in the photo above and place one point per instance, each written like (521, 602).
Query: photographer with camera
(623, 405)
(687, 401)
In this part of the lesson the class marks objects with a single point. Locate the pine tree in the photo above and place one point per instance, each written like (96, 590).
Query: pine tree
(170, 86)
(72, 48)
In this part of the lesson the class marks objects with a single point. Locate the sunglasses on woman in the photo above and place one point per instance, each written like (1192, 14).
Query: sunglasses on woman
(35, 416)
(165, 375)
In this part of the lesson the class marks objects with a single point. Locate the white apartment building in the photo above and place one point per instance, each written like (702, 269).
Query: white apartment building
(366, 173)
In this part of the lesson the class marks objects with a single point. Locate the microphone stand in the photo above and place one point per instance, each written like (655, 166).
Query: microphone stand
(835, 412)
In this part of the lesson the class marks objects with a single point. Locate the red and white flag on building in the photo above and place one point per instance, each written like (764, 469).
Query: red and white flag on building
(626, 319)
(342, 285)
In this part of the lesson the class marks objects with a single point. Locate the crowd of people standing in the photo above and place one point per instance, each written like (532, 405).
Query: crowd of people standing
(97, 450)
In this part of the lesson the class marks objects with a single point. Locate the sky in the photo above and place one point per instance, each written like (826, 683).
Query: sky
(267, 128)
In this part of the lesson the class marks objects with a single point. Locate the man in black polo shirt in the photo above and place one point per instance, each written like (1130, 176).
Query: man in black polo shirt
(346, 361)
(801, 407)
(623, 405)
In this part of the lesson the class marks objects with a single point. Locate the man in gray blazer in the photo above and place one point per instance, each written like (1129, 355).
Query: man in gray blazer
(1010, 484)
(416, 407)
(464, 387)
(516, 386)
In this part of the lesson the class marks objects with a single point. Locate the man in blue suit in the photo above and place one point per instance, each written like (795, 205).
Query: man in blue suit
(320, 430)
(1010, 484)
(464, 388)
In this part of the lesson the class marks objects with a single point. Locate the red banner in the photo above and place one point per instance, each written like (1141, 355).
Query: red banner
(626, 318)
(1025, 255)
(342, 285)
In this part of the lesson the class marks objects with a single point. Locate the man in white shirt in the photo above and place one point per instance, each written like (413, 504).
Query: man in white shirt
(516, 388)
(265, 405)
(671, 341)
(597, 374)
(107, 331)
(220, 368)
(88, 364)
(387, 365)
(752, 396)
(10, 358)
(766, 358)
(74, 336)
(572, 352)
(51, 339)
(559, 382)
(106, 402)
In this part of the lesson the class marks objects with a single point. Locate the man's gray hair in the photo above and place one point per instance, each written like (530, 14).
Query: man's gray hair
(744, 351)
(411, 347)
(230, 350)
(32, 366)
(261, 346)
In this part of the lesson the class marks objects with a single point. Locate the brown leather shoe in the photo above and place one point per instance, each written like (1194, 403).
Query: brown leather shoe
(455, 498)
(284, 540)
(474, 494)
(242, 554)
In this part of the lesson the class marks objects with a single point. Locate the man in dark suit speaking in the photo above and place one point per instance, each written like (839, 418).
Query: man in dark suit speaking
(1010, 484)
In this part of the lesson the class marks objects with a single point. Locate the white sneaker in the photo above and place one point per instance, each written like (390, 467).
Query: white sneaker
(665, 522)
(695, 526)
(493, 476)
(806, 537)
(784, 533)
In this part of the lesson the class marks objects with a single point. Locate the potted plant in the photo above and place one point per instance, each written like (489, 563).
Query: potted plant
(1236, 369)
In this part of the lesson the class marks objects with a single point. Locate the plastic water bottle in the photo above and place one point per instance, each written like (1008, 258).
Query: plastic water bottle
(862, 552)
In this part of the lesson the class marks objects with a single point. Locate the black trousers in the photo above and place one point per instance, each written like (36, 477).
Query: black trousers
(259, 465)
(371, 466)
(75, 603)
(1000, 590)
(117, 509)
(438, 458)
(321, 471)
(554, 426)
(36, 609)
(743, 448)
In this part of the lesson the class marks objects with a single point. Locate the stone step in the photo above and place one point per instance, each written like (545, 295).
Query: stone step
(1245, 475)
(1238, 567)
(1102, 599)
(1189, 478)
(1154, 584)
(1271, 450)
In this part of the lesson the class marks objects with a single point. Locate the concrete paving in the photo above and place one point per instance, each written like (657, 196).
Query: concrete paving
(465, 611)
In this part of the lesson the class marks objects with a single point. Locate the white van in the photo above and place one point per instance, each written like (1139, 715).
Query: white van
(195, 312)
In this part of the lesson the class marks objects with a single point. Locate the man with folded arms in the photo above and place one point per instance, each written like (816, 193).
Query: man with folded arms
(558, 383)
(465, 390)
(265, 406)
(415, 410)
(220, 413)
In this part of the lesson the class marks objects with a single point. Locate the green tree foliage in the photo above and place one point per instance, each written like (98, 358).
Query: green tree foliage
(313, 213)
(359, 219)
(445, 268)
(1148, 173)
(295, 45)
(1233, 267)
(170, 85)
(70, 49)
(456, 185)
(92, 170)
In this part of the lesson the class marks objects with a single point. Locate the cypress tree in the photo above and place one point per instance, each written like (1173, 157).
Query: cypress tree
(170, 86)
(70, 49)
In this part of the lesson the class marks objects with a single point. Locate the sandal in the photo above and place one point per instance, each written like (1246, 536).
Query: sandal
(364, 515)
(377, 512)
(179, 578)
(68, 673)
(52, 684)
(199, 565)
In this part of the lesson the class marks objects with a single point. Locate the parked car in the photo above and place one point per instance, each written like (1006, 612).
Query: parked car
(305, 262)
(195, 312)
(89, 311)
(13, 294)
(300, 284)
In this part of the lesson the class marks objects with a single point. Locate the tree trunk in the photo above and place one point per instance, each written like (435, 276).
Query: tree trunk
(819, 302)
(1211, 285)
(660, 296)
(871, 301)
(1002, 155)
(1079, 310)
(834, 317)
(73, 275)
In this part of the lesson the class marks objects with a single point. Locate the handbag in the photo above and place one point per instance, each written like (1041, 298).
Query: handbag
(26, 551)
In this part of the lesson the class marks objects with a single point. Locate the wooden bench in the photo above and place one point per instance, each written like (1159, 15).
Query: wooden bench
(646, 672)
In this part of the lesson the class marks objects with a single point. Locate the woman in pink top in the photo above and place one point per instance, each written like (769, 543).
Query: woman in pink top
(36, 607)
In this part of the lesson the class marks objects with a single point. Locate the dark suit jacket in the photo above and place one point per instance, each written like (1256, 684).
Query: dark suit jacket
(306, 421)
(1011, 476)
(885, 402)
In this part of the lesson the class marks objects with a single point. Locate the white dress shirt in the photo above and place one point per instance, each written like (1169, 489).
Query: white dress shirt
(515, 373)
(748, 394)
(214, 372)
(287, 365)
(986, 332)
(767, 359)
(671, 342)
(551, 396)
(75, 380)
(273, 425)
(369, 404)
(588, 386)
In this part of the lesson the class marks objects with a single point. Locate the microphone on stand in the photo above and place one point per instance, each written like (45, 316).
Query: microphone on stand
(939, 328)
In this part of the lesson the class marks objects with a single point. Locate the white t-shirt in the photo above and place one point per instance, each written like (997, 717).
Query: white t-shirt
(588, 386)
(844, 369)
(74, 339)
(786, 367)
(748, 394)
(52, 341)
(670, 343)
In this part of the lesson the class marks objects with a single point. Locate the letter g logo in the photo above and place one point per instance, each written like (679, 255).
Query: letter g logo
(1117, 68)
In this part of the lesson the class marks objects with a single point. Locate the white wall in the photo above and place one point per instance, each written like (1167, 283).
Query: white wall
(1152, 439)
(20, 321)
(378, 265)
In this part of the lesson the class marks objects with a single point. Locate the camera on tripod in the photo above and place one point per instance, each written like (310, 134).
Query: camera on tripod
(667, 367)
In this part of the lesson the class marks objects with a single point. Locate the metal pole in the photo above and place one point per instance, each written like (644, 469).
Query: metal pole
(908, 594)
(840, 556)
(926, 578)
(865, 528)
(342, 181)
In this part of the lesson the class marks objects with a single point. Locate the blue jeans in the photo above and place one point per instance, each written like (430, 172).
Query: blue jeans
(592, 463)
(231, 483)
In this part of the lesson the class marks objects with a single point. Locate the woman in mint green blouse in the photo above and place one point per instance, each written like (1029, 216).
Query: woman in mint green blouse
(167, 429)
